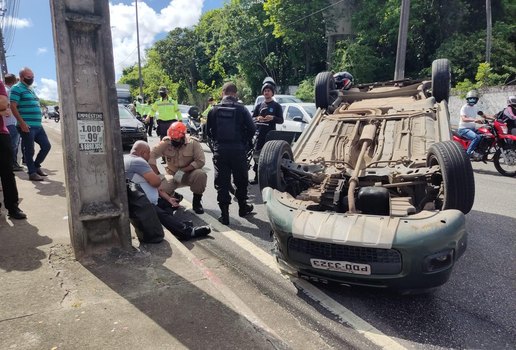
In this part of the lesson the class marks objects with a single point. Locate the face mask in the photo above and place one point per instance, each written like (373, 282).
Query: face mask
(162, 94)
(28, 81)
(177, 143)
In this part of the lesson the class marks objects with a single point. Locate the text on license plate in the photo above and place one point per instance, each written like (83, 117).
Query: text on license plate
(341, 266)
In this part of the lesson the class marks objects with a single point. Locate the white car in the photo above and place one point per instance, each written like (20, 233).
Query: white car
(296, 117)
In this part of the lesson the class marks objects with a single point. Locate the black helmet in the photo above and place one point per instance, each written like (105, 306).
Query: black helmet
(269, 86)
(343, 80)
(162, 89)
(193, 112)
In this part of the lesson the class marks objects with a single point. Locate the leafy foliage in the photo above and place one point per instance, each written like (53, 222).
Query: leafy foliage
(247, 40)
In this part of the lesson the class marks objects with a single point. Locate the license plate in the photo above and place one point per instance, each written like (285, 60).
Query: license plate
(341, 266)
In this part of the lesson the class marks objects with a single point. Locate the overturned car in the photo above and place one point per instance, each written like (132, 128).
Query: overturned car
(374, 191)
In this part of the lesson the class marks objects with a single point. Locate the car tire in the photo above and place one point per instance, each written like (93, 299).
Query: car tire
(441, 78)
(325, 93)
(269, 164)
(499, 167)
(458, 183)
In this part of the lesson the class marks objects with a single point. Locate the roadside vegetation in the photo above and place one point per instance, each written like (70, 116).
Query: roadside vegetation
(246, 40)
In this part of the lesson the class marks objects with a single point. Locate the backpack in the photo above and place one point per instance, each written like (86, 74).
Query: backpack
(142, 215)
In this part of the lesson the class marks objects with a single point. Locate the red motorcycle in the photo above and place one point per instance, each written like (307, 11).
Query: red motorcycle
(495, 139)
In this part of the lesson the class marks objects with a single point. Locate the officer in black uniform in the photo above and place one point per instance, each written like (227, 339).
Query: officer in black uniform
(231, 128)
(266, 115)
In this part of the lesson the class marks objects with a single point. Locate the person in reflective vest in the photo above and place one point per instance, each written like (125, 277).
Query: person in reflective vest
(166, 111)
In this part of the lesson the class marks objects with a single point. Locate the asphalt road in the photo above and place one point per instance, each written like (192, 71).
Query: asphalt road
(476, 309)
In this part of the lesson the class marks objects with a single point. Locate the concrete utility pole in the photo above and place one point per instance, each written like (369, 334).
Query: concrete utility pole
(95, 180)
(401, 53)
(489, 29)
(3, 60)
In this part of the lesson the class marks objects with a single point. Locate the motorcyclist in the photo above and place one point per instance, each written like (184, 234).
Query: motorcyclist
(468, 121)
(508, 115)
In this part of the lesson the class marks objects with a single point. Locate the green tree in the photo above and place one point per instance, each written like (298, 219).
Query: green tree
(302, 26)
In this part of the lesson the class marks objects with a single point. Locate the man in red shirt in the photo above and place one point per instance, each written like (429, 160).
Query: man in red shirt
(6, 161)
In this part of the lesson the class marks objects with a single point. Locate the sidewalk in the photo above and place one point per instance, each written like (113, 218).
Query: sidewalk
(157, 297)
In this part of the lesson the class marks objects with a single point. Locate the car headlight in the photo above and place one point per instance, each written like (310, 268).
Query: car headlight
(141, 129)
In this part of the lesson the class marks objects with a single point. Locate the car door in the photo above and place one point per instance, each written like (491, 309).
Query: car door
(292, 120)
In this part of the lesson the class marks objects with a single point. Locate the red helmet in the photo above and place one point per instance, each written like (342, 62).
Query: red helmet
(176, 131)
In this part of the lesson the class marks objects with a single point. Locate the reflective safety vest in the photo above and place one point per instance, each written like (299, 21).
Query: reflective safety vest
(167, 110)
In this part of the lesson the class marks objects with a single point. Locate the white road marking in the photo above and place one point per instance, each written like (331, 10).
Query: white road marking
(330, 304)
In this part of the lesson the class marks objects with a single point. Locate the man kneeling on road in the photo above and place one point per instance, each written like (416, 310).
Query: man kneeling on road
(139, 171)
(184, 161)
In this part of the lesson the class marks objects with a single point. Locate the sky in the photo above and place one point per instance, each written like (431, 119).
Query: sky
(31, 41)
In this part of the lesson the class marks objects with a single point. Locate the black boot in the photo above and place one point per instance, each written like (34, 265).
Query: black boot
(196, 204)
(224, 214)
(244, 209)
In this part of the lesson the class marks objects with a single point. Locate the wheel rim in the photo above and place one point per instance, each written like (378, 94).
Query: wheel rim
(507, 161)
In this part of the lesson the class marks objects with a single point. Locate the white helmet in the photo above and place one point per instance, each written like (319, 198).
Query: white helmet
(511, 101)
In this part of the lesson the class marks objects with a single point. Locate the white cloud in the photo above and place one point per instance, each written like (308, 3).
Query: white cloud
(47, 89)
(17, 22)
(42, 50)
(178, 13)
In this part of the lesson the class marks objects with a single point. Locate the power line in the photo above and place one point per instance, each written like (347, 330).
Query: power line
(316, 12)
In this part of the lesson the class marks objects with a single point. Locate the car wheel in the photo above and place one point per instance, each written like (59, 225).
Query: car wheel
(269, 165)
(500, 164)
(457, 184)
(441, 76)
(325, 93)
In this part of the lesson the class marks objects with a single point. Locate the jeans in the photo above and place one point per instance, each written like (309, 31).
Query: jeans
(37, 135)
(15, 141)
(470, 134)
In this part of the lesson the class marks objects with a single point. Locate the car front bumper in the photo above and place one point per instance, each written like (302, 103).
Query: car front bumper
(413, 252)
(128, 138)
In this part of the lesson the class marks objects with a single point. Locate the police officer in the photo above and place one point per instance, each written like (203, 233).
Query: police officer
(231, 128)
(168, 112)
(184, 161)
(266, 115)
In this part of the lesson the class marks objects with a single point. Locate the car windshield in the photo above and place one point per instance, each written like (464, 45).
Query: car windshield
(124, 113)
(184, 108)
(310, 110)
(287, 99)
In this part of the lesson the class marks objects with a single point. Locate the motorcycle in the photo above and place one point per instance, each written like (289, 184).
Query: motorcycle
(496, 144)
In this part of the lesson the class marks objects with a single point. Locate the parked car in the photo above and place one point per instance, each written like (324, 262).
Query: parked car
(374, 191)
(296, 117)
(184, 113)
(280, 99)
(131, 128)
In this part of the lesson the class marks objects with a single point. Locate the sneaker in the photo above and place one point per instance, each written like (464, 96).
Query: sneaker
(17, 167)
(475, 155)
(35, 177)
(245, 210)
(17, 214)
